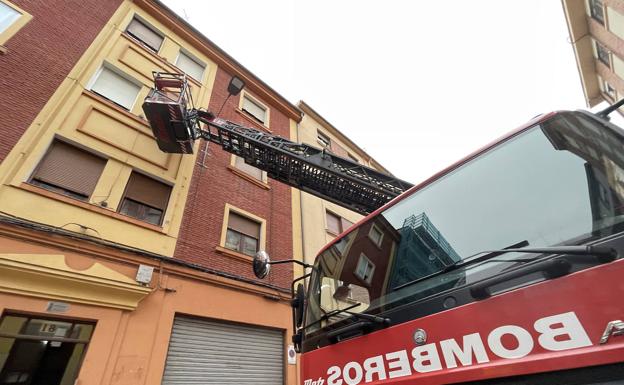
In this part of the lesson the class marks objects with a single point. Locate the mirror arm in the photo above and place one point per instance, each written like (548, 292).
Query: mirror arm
(291, 261)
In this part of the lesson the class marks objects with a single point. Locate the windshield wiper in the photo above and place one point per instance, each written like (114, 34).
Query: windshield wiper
(604, 254)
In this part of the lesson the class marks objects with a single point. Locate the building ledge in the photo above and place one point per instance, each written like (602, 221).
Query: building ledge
(234, 254)
(48, 276)
(248, 177)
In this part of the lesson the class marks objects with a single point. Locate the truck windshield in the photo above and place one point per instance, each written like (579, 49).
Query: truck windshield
(557, 183)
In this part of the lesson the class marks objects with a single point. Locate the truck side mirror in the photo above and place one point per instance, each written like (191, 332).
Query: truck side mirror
(297, 304)
(261, 264)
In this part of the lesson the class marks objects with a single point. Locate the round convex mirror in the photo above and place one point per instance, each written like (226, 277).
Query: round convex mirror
(261, 264)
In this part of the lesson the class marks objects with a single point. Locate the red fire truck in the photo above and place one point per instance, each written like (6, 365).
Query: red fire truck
(501, 269)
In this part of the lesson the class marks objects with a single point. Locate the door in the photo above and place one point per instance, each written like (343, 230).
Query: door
(41, 351)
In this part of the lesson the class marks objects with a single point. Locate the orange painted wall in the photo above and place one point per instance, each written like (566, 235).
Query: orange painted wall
(130, 347)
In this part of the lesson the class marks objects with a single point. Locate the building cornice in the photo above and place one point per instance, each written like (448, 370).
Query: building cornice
(63, 240)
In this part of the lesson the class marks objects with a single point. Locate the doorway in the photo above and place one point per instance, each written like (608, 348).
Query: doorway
(41, 351)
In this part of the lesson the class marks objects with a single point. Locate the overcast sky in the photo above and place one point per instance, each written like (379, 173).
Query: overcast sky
(417, 84)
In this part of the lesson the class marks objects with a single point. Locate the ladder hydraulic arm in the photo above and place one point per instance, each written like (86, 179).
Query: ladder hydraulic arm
(176, 125)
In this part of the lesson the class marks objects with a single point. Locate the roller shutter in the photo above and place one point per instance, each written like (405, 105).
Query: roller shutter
(209, 352)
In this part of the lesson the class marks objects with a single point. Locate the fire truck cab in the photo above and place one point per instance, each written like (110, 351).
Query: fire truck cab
(502, 269)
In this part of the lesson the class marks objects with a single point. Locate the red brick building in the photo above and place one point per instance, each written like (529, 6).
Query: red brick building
(220, 178)
(37, 58)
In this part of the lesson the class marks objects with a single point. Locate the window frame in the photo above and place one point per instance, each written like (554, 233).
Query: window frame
(323, 139)
(106, 65)
(61, 190)
(224, 228)
(609, 90)
(593, 5)
(367, 280)
(601, 48)
(374, 227)
(149, 26)
(16, 26)
(124, 198)
(254, 100)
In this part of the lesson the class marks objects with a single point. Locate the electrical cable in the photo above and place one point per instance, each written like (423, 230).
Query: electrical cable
(37, 226)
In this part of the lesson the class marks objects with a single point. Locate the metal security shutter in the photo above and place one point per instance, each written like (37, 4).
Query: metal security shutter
(208, 352)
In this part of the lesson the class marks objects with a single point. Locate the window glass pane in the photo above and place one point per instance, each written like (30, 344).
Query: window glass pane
(232, 240)
(333, 223)
(116, 88)
(254, 109)
(375, 235)
(145, 34)
(190, 66)
(47, 328)
(603, 54)
(140, 211)
(250, 246)
(558, 183)
(8, 16)
(597, 10)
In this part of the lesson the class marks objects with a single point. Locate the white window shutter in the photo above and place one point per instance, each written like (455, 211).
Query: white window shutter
(116, 88)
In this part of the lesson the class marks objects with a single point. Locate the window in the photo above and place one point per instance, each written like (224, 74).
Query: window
(336, 224)
(145, 199)
(8, 16)
(596, 10)
(191, 66)
(116, 88)
(609, 90)
(243, 234)
(240, 164)
(375, 235)
(603, 54)
(365, 269)
(146, 35)
(69, 171)
(255, 109)
(323, 139)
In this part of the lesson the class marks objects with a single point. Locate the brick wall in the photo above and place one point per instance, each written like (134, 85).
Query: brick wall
(215, 185)
(41, 55)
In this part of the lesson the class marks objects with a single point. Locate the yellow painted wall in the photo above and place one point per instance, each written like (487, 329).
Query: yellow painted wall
(314, 234)
(78, 116)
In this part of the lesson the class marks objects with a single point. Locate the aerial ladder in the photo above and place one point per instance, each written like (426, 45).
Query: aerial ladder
(177, 124)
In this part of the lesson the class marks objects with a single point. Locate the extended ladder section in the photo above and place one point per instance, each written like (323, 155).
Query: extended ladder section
(176, 125)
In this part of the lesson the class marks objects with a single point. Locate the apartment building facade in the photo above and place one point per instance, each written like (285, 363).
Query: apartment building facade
(121, 264)
(321, 221)
(596, 29)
